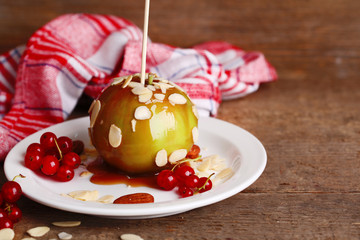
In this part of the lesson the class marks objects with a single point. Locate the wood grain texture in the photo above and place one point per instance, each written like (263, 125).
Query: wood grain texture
(308, 121)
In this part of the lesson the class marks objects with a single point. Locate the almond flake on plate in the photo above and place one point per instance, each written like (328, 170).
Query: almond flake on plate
(106, 199)
(85, 173)
(223, 175)
(85, 195)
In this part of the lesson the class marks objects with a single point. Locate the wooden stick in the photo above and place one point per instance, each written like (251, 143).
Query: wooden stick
(144, 43)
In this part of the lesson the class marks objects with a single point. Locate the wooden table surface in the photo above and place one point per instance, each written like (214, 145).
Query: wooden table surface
(308, 120)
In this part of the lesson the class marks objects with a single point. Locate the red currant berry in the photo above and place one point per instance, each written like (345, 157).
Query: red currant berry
(78, 147)
(47, 140)
(14, 214)
(11, 191)
(185, 192)
(33, 160)
(72, 160)
(183, 171)
(65, 144)
(205, 184)
(2, 213)
(192, 181)
(166, 180)
(65, 173)
(5, 222)
(35, 147)
(194, 152)
(49, 165)
(53, 152)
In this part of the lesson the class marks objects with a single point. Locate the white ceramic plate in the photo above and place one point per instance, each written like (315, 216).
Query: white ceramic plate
(242, 151)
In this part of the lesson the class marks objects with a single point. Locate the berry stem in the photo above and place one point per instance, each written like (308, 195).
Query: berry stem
(58, 148)
(20, 175)
(203, 186)
(185, 160)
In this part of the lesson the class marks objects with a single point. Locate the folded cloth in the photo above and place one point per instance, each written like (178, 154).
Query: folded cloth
(41, 83)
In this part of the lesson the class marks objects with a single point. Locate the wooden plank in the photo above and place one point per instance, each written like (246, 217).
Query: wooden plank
(299, 25)
(244, 216)
(308, 121)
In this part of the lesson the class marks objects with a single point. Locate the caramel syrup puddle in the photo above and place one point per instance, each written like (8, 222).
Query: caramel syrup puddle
(104, 174)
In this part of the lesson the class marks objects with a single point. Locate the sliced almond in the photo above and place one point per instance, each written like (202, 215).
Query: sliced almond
(7, 234)
(161, 158)
(145, 97)
(134, 84)
(115, 136)
(195, 134)
(106, 199)
(133, 125)
(90, 151)
(151, 87)
(85, 173)
(91, 106)
(163, 86)
(218, 166)
(127, 81)
(130, 236)
(139, 90)
(177, 155)
(117, 80)
(65, 236)
(177, 98)
(217, 163)
(163, 80)
(67, 224)
(159, 96)
(142, 113)
(205, 165)
(27, 238)
(94, 113)
(38, 231)
(85, 195)
(224, 174)
(65, 195)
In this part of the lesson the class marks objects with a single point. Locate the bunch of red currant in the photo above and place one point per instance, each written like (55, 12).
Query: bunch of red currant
(183, 176)
(54, 156)
(10, 213)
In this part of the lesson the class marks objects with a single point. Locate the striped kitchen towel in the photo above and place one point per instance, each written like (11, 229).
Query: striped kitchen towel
(40, 83)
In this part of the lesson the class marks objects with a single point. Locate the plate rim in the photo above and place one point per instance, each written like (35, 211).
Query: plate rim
(151, 209)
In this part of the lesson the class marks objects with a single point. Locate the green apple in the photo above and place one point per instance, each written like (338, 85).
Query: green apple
(143, 128)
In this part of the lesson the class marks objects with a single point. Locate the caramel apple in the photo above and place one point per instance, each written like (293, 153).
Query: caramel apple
(143, 128)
